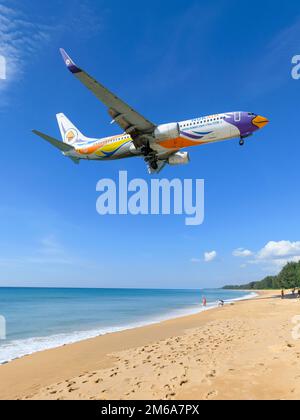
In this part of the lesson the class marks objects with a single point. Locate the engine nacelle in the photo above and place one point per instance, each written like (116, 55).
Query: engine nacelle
(167, 132)
(179, 158)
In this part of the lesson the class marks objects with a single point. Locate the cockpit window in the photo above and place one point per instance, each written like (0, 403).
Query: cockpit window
(251, 114)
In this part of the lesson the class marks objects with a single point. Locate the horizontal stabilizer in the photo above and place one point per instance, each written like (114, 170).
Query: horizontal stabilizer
(56, 143)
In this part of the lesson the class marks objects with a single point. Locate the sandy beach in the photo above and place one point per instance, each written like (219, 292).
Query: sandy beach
(242, 351)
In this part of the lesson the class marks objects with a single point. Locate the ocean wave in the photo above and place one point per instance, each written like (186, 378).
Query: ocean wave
(24, 347)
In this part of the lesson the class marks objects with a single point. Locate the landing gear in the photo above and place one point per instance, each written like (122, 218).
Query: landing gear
(152, 161)
(150, 157)
(146, 150)
(242, 142)
(154, 165)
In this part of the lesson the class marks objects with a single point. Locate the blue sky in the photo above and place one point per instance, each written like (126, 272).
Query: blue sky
(171, 61)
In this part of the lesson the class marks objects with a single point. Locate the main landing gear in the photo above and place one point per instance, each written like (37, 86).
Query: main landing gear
(242, 142)
(152, 161)
(150, 157)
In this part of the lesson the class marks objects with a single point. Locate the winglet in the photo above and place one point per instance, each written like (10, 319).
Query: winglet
(69, 62)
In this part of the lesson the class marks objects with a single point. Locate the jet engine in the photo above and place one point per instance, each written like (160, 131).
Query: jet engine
(179, 158)
(167, 132)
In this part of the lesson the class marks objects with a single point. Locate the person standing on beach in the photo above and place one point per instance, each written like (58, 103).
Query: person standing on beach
(204, 302)
(282, 294)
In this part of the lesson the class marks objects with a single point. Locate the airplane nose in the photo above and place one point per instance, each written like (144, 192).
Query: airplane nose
(260, 121)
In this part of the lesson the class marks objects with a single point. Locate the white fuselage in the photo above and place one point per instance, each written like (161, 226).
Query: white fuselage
(173, 137)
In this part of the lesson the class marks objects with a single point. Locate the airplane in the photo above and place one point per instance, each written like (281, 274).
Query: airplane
(159, 145)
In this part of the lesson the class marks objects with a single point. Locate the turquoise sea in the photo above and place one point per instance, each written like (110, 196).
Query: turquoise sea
(39, 319)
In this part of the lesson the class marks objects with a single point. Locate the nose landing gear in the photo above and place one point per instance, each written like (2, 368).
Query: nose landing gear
(243, 137)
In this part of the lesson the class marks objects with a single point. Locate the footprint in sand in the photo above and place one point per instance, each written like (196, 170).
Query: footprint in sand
(184, 382)
(211, 374)
(212, 394)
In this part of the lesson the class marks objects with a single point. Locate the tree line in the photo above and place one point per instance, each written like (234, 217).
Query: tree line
(288, 278)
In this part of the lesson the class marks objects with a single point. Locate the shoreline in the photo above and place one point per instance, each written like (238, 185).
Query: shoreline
(243, 350)
(57, 341)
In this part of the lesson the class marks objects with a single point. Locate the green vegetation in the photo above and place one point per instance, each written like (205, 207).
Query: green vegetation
(288, 278)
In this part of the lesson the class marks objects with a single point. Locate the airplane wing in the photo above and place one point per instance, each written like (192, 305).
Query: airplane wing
(133, 123)
(63, 147)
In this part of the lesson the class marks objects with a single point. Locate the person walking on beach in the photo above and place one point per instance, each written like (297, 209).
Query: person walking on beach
(282, 294)
(204, 302)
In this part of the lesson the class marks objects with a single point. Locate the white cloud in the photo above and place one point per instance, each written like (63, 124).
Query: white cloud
(21, 39)
(210, 256)
(273, 256)
(278, 250)
(242, 253)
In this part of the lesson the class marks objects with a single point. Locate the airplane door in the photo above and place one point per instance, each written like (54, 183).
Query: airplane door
(237, 116)
(234, 131)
